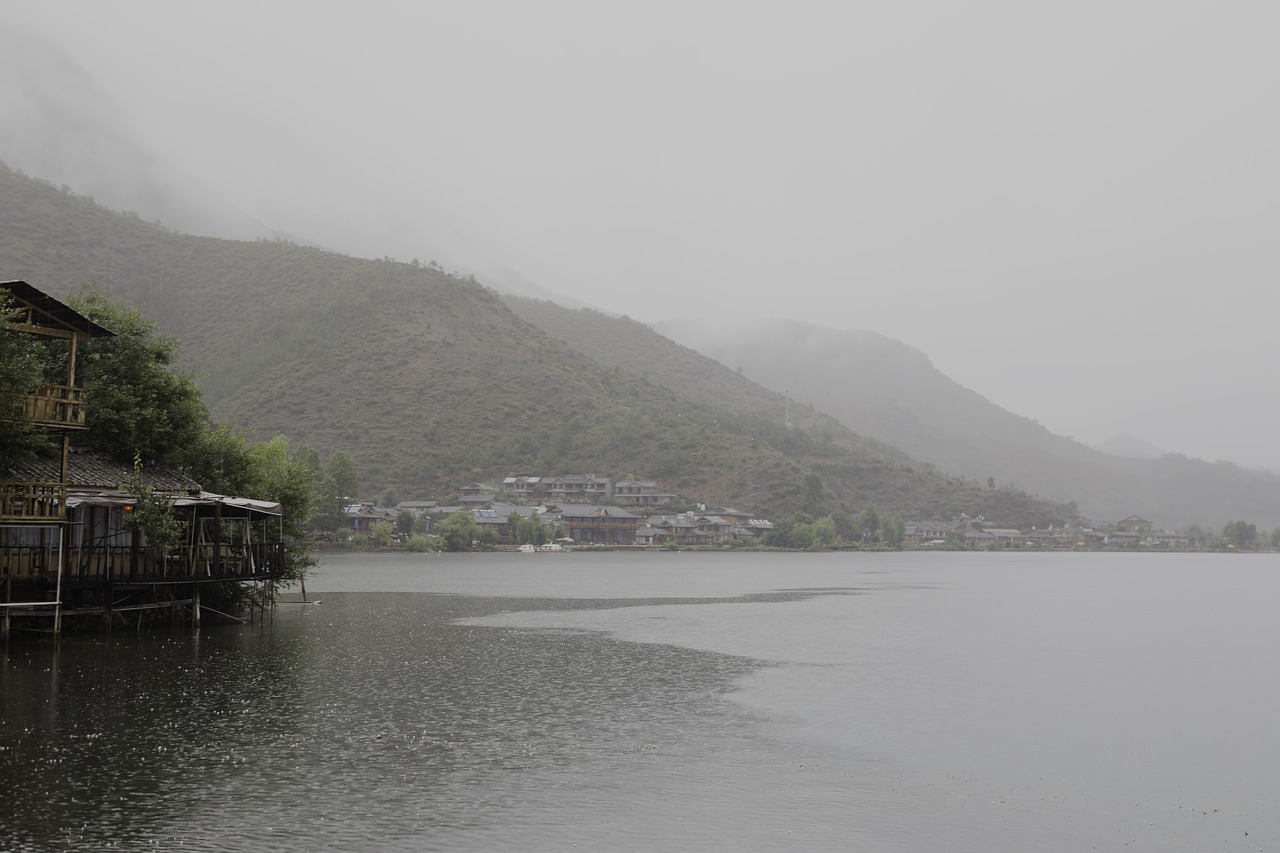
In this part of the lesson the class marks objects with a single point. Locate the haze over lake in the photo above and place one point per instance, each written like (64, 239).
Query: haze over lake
(1076, 220)
(903, 701)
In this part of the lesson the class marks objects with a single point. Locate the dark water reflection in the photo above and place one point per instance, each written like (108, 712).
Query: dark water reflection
(690, 702)
(293, 736)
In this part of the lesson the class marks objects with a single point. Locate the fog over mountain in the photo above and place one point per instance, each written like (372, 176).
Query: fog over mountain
(62, 125)
(1076, 220)
(887, 390)
(1131, 446)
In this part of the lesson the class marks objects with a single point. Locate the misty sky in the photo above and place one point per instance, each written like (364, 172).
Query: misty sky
(1072, 208)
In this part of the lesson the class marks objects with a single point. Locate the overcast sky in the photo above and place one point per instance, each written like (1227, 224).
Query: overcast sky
(1072, 208)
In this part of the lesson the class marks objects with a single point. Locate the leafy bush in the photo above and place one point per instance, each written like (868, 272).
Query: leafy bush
(420, 543)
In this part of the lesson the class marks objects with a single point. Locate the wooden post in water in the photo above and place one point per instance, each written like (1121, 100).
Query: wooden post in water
(57, 594)
(195, 604)
(8, 596)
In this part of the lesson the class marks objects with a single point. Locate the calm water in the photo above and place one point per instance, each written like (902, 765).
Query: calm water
(1048, 702)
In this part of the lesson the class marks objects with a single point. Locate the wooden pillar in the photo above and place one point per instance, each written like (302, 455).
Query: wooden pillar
(8, 596)
(217, 540)
(64, 513)
(106, 584)
(63, 530)
(195, 604)
(85, 551)
(135, 549)
(71, 362)
(66, 458)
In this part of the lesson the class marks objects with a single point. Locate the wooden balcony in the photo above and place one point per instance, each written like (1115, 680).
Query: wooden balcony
(60, 406)
(25, 501)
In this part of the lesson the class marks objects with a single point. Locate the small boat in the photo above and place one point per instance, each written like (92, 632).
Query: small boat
(552, 546)
(527, 549)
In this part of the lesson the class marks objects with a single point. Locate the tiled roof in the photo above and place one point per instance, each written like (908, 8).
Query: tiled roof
(87, 468)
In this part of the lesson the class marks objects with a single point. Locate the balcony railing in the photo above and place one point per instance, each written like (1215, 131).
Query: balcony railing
(31, 501)
(122, 564)
(55, 406)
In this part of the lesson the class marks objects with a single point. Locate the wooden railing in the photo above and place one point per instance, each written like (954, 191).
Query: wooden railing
(32, 501)
(54, 405)
(122, 564)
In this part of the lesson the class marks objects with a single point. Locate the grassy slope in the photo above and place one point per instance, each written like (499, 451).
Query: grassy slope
(431, 381)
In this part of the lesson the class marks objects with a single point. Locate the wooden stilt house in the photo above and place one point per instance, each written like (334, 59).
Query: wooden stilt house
(66, 546)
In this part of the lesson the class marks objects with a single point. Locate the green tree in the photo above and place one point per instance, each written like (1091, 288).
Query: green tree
(892, 530)
(405, 521)
(514, 521)
(326, 504)
(529, 530)
(330, 513)
(801, 530)
(814, 535)
(264, 471)
(307, 456)
(152, 513)
(220, 460)
(867, 524)
(780, 535)
(140, 401)
(459, 531)
(1239, 534)
(342, 469)
(21, 362)
(419, 543)
(381, 532)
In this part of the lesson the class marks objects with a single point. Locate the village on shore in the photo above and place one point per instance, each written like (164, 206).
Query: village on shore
(598, 512)
(88, 537)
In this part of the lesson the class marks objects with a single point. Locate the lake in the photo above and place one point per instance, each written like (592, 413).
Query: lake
(672, 701)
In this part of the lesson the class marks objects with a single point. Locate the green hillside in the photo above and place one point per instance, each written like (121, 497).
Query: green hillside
(626, 344)
(431, 381)
(884, 388)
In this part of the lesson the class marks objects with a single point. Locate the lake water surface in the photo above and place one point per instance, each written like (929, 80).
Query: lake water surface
(914, 702)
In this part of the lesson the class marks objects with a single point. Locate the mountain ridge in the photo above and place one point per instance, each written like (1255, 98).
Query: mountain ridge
(430, 380)
(881, 388)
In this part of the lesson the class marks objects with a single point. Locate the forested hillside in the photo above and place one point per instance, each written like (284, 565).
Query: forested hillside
(883, 388)
(623, 343)
(430, 381)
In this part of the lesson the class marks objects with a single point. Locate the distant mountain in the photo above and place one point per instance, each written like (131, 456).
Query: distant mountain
(1130, 446)
(64, 127)
(431, 381)
(621, 342)
(883, 388)
(60, 124)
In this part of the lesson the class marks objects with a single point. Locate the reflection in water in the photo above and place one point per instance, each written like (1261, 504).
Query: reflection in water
(298, 734)
(886, 702)
(100, 735)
